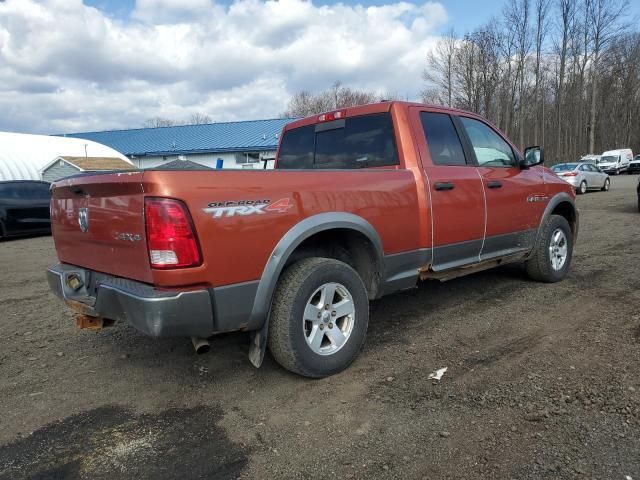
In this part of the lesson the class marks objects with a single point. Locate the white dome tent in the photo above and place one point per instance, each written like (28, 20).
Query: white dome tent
(23, 156)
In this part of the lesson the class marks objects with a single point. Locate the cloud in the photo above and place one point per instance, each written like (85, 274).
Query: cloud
(65, 66)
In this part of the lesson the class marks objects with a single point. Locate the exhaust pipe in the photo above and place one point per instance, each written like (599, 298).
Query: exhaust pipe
(201, 345)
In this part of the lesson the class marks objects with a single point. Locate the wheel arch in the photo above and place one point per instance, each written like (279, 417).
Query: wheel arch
(562, 204)
(309, 236)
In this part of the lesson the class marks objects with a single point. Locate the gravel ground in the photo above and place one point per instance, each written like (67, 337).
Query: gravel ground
(543, 381)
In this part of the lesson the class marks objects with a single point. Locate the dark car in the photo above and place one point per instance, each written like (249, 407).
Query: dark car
(634, 165)
(24, 208)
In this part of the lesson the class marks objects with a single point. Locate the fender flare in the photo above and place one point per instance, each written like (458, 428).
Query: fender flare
(553, 203)
(278, 259)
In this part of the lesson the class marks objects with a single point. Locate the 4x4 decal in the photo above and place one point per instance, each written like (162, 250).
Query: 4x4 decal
(247, 207)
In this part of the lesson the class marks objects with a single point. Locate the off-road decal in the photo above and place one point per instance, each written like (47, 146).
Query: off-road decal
(247, 207)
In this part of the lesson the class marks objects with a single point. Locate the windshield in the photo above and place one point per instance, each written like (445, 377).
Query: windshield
(637, 157)
(564, 167)
(610, 159)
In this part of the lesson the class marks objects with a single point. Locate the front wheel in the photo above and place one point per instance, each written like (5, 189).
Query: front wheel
(319, 317)
(607, 185)
(551, 257)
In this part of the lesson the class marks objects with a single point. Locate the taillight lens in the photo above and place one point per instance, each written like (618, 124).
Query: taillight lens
(171, 239)
(571, 174)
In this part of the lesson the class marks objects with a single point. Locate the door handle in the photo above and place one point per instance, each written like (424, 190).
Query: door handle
(444, 186)
(494, 184)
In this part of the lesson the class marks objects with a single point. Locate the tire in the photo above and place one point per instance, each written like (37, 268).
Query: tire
(607, 185)
(539, 265)
(582, 189)
(292, 329)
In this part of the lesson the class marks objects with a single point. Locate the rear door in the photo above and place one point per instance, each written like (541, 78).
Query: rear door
(515, 197)
(454, 188)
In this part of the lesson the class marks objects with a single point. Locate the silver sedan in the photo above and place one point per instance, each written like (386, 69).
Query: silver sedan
(583, 176)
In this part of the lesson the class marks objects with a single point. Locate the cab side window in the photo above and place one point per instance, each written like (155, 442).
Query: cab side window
(490, 149)
(442, 139)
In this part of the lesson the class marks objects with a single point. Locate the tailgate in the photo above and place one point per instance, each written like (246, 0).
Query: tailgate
(98, 223)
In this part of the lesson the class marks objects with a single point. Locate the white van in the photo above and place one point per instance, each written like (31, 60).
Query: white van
(615, 161)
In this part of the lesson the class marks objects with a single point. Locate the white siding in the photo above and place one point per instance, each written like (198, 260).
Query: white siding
(23, 156)
(206, 159)
(58, 170)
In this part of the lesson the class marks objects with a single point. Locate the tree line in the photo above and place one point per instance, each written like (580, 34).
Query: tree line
(560, 73)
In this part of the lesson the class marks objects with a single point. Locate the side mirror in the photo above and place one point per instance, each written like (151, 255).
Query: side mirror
(532, 156)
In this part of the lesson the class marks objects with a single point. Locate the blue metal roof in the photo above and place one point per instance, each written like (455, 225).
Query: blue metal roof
(253, 135)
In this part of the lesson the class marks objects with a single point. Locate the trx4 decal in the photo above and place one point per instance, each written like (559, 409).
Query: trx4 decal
(247, 207)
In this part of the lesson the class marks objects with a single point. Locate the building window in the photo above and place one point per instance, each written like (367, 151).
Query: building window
(245, 158)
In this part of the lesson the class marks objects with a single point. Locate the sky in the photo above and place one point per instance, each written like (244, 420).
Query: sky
(86, 65)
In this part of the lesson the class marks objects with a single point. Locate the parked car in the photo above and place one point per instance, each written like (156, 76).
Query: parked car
(616, 161)
(24, 208)
(363, 202)
(634, 165)
(638, 191)
(583, 176)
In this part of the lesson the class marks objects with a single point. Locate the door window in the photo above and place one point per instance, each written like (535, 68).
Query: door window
(490, 148)
(442, 139)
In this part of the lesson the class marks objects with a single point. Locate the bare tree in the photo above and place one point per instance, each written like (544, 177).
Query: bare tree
(604, 17)
(156, 122)
(544, 84)
(305, 103)
(198, 119)
(567, 10)
(440, 68)
(541, 30)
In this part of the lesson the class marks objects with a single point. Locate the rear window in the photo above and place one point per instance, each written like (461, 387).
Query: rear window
(25, 191)
(356, 142)
(564, 167)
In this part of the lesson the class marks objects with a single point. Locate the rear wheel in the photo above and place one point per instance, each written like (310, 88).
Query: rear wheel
(319, 317)
(607, 185)
(582, 189)
(551, 257)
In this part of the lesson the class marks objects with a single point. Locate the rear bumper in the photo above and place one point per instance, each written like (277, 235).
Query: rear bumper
(157, 313)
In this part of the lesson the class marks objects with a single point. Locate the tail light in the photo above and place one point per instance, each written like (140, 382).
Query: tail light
(571, 174)
(171, 238)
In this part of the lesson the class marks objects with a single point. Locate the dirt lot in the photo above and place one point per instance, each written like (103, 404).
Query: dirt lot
(543, 381)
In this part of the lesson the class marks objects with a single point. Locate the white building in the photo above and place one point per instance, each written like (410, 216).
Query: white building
(22, 156)
(217, 145)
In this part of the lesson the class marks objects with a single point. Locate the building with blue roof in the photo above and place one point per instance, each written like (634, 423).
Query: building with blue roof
(246, 144)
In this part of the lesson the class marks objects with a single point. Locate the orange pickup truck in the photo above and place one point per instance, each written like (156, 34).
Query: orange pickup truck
(363, 202)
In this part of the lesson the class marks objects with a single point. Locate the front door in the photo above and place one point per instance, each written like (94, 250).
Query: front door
(516, 197)
(455, 191)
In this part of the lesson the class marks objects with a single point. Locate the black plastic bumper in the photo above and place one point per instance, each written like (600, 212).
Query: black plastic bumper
(158, 313)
